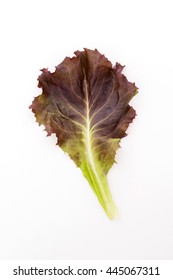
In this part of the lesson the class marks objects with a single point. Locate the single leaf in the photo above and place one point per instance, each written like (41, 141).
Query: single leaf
(85, 102)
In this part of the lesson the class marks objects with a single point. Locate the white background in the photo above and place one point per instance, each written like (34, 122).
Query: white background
(47, 210)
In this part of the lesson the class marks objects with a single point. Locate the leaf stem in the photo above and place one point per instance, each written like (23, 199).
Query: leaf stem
(99, 185)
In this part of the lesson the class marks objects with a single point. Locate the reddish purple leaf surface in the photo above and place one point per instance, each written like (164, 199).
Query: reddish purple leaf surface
(85, 102)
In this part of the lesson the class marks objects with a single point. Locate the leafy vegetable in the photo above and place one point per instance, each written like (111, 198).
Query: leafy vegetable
(85, 103)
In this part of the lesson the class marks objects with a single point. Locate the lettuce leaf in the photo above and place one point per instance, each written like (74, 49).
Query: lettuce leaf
(85, 102)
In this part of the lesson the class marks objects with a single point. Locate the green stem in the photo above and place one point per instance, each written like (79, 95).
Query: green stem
(99, 185)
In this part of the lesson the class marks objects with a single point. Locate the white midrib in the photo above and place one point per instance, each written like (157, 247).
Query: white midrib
(88, 139)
